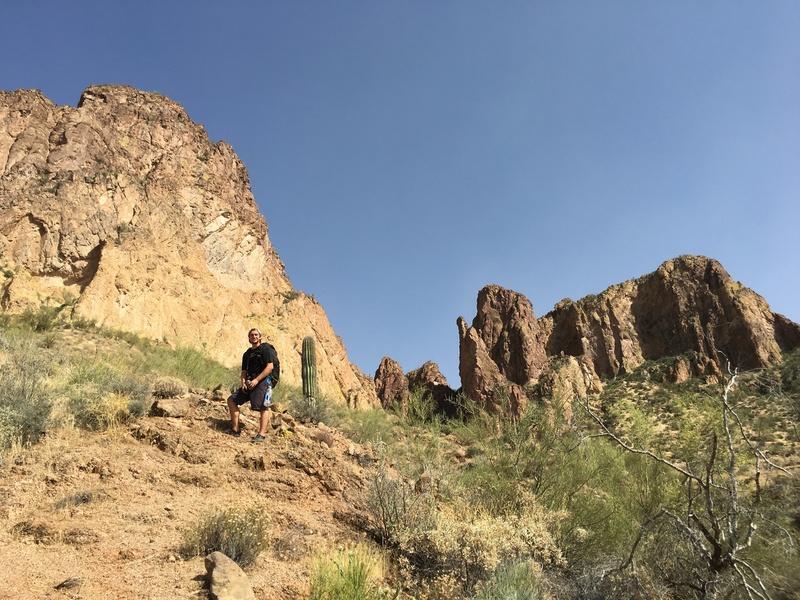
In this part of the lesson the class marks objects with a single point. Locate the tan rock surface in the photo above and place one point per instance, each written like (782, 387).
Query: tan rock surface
(124, 205)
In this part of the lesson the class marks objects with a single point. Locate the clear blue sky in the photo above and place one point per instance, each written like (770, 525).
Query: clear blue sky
(407, 153)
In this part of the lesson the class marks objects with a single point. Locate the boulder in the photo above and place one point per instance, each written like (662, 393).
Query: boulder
(226, 579)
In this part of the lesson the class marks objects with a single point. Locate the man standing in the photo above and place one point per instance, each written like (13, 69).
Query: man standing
(259, 363)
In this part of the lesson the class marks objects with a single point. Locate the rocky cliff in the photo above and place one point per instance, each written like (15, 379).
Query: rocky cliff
(125, 211)
(689, 307)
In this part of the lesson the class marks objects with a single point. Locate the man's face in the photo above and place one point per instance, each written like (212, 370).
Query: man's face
(254, 337)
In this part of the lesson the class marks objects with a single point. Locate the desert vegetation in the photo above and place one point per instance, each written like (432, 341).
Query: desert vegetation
(647, 490)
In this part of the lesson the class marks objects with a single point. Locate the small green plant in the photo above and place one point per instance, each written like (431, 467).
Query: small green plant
(239, 534)
(289, 296)
(347, 575)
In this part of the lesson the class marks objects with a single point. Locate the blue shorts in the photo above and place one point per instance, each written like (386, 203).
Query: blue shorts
(260, 397)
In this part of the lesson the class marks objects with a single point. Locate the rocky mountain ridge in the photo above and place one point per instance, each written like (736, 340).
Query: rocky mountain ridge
(123, 211)
(689, 308)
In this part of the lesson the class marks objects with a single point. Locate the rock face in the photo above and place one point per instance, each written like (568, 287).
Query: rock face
(689, 307)
(391, 384)
(123, 211)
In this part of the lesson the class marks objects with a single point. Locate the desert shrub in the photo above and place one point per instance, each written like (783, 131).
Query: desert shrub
(468, 546)
(308, 410)
(455, 545)
(396, 510)
(513, 580)
(369, 425)
(41, 319)
(111, 409)
(239, 534)
(25, 406)
(420, 407)
(168, 387)
(790, 380)
(347, 575)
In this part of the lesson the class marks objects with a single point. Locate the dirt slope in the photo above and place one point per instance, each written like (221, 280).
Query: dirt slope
(101, 515)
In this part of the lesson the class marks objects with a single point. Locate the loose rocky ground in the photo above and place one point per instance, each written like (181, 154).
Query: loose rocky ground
(102, 515)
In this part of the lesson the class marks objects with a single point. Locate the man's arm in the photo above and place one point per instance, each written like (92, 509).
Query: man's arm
(261, 376)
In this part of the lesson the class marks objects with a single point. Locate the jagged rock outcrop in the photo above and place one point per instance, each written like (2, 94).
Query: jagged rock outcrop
(689, 306)
(502, 351)
(125, 212)
(391, 384)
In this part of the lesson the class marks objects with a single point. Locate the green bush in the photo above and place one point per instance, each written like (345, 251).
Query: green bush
(307, 409)
(396, 510)
(420, 407)
(239, 534)
(369, 425)
(41, 319)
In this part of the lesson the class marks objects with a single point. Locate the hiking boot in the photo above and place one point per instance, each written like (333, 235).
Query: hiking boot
(236, 433)
(258, 439)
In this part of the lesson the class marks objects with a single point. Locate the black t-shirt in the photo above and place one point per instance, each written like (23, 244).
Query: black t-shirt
(254, 360)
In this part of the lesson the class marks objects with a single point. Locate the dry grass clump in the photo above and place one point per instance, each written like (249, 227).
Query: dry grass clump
(348, 574)
(240, 535)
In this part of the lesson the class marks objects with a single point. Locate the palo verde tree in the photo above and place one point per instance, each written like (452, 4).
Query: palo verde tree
(706, 538)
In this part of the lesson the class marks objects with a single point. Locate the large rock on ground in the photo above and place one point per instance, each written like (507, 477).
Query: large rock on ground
(126, 213)
(226, 580)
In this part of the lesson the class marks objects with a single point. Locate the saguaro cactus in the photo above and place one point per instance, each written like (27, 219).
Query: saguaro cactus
(309, 360)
